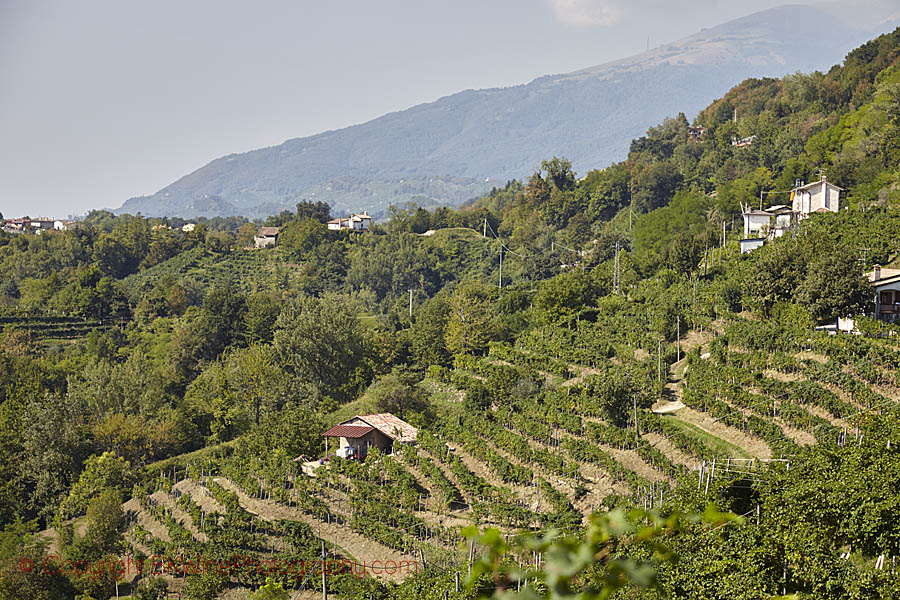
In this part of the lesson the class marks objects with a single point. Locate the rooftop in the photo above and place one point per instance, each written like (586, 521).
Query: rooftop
(391, 426)
(348, 431)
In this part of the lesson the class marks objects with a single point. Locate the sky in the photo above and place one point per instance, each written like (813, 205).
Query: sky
(102, 100)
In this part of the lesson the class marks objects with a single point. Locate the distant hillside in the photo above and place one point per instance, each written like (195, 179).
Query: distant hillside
(459, 146)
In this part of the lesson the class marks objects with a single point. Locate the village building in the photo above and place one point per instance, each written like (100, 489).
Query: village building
(886, 286)
(761, 225)
(820, 196)
(357, 435)
(188, 227)
(360, 222)
(266, 237)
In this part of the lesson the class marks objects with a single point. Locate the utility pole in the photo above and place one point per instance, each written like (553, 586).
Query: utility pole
(410, 303)
(637, 433)
(324, 586)
(501, 267)
(659, 362)
(616, 271)
(484, 232)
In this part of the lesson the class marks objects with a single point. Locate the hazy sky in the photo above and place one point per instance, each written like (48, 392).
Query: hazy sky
(101, 100)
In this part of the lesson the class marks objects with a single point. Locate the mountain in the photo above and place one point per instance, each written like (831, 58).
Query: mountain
(459, 146)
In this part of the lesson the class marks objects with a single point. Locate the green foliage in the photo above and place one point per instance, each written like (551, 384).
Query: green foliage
(100, 474)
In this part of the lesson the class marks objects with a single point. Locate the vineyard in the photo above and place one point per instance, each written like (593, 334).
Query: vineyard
(49, 328)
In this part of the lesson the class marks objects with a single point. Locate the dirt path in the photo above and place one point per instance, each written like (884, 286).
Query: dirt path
(784, 377)
(824, 414)
(179, 515)
(448, 473)
(354, 544)
(666, 447)
(146, 520)
(749, 444)
(583, 372)
(200, 495)
(530, 496)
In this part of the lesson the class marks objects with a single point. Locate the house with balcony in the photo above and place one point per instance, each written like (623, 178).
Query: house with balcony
(886, 287)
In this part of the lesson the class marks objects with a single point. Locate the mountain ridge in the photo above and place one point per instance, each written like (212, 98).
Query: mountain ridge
(462, 144)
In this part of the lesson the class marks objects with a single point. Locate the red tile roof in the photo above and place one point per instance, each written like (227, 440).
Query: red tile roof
(348, 431)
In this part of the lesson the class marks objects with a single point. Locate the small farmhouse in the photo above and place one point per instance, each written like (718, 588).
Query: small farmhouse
(886, 285)
(360, 222)
(362, 432)
(266, 237)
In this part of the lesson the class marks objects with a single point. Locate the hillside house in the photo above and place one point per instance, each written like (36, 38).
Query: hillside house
(806, 199)
(760, 225)
(820, 196)
(266, 237)
(360, 222)
(886, 285)
(362, 432)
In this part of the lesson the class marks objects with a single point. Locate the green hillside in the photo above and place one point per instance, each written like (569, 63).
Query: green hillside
(611, 400)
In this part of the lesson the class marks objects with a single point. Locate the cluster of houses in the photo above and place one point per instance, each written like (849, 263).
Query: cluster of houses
(761, 225)
(808, 199)
(267, 237)
(186, 228)
(29, 225)
(360, 222)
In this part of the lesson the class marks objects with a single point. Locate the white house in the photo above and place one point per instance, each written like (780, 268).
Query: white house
(820, 196)
(757, 223)
(886, 285)
(360, 222)
(266, 237)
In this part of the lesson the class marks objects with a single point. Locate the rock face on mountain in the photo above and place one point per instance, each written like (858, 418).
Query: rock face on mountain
(459, 146)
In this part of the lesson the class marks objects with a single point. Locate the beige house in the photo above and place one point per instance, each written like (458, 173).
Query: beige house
(266, 237)
(382, 431)
(820, 196)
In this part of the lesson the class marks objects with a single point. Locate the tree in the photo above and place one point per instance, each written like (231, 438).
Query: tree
(272, 590)
(259, 320)
(398, 393)
(427, 333)
(833, 287)
(559, 173)
(100, 474)
(105, 522)
(319, 211)
(302, 237)
(565, 295)
(320, 340)
(207, 586)
(255, 372)
(471, 323)
(155, 588)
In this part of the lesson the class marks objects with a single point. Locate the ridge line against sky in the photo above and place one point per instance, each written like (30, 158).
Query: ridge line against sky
(105, 100)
